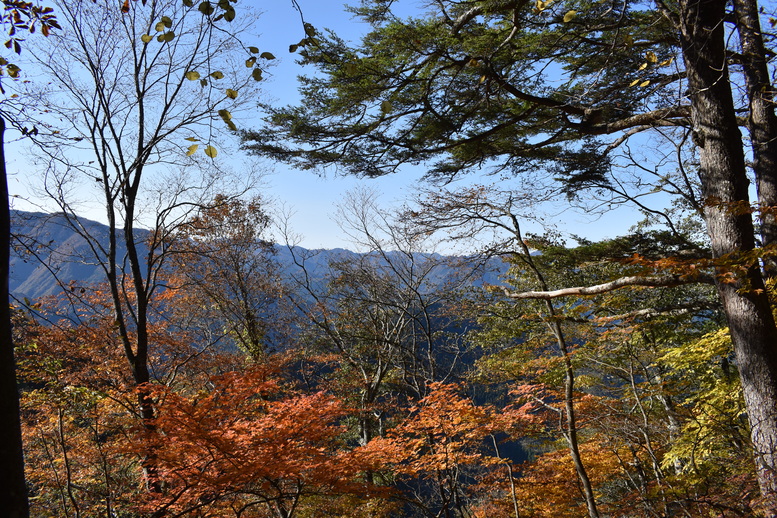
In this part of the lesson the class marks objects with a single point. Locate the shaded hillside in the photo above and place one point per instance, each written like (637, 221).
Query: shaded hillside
(48, 254)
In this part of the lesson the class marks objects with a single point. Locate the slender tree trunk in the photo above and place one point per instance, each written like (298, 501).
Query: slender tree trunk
(761, 122)
(725, 189)
(13, 489)
(569, 430)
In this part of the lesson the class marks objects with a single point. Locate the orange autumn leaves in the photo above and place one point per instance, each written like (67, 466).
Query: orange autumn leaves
(443, 432)
(248, 441)
(251, 441)
(268, 437)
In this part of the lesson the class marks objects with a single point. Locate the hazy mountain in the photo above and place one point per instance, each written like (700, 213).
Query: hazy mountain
(48, 248)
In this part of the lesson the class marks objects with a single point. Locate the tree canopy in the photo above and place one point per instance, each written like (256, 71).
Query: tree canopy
(561, 92)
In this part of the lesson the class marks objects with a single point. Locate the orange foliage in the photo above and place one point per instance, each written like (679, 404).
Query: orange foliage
(444, 431)
(229, 444)
(251, 447)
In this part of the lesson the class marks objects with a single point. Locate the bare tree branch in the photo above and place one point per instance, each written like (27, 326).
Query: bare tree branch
(655, 281)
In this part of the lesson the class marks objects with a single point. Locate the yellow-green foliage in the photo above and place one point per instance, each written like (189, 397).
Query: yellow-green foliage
(715, 430)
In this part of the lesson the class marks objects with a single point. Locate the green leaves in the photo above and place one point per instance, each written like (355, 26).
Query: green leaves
(251, 62)
(206, 8)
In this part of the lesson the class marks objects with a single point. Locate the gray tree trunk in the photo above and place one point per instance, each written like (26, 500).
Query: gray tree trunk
(725, 189)
(762, 122)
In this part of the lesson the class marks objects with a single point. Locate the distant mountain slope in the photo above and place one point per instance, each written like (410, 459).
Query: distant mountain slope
(45, 245)
(47, 248)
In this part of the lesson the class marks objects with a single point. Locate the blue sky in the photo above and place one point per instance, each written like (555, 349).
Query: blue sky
(312, 199)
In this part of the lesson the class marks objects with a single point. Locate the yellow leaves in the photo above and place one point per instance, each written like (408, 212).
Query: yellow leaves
(192, 75)
(571, 14)
(541, 5)
(232, 94)
(209, 150)
(650, 59)
(640, 82)
(704, 350)
(217, 74)
(167, 37)
(146, 38)
(227, 118)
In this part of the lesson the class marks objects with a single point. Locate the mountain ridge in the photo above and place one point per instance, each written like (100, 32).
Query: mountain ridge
(48, 254)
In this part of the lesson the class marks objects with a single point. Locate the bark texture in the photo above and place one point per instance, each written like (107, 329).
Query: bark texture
(762, 122)
(724, 188)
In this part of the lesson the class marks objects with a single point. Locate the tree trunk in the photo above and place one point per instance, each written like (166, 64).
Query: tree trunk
(13, 489)
(725, 189)
(762, 122)
(570, 432)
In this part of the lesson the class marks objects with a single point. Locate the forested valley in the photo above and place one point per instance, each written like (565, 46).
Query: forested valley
(475, 358)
